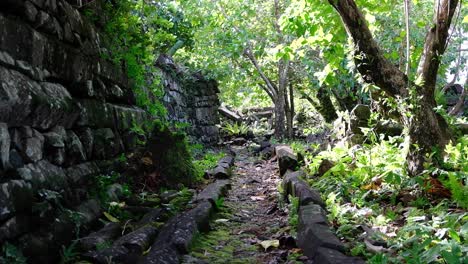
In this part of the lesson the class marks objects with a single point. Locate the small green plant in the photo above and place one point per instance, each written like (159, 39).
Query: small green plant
(219, 203)
(70, 253)
(293, 217)
(11, 254)
(209, 161)
(235, 129)
(180, 202)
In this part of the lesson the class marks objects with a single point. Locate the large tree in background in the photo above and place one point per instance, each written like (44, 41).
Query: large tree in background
(426, 128)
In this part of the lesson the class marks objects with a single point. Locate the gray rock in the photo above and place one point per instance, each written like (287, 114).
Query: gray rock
(14, 227)
(138, 240)
(15, 196)
(324, 167)
(155, 215)
(220, 172)
(105, 235)
(168, 195)
(214, 191)
(43, 175)
(163, 254)
(105, 144)
(54, 140)
(42, 106)
(309, 215)
(30, 11)
(4, 147)
(6, 59)
(87, 140)
(286, 159)
(90, 211)
(81, 174)
(55, 148)
(75, 151)
(332, 256)
(227, 161)
(311, 238)
(29, 142)
(117, 254)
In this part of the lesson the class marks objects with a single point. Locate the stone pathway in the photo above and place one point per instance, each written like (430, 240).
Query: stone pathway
(251, 215)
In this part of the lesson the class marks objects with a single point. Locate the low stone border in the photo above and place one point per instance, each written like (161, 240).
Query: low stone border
(222, 169)
(178, 233)
(167, 244)
(314, 236)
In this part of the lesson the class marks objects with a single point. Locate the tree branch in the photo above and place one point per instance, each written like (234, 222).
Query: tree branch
(435, 44)
(371, 63)
(267, 81)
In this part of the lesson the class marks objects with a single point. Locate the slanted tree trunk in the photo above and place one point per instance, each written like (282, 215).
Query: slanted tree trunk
(426, 128)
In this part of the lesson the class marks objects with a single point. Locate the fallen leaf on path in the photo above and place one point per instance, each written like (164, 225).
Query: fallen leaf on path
(257, 198)
(147, 161)
(296, 250)
(111, 218)
(269, 243)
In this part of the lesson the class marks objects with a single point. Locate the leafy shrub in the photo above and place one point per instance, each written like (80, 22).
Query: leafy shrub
(209, 161)
(235, 129)
(368, 185)
(11, 254)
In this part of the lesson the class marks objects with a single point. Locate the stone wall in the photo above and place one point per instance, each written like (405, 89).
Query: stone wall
(192, 99)
(64, 114)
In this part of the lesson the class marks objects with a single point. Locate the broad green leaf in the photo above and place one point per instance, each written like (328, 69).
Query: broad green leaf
(111, 218)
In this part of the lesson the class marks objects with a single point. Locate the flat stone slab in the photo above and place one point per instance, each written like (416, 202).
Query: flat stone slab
(229, 160)
(311, 214)
(286, 159)
(332, 256)
(138, 240)
(293, 185)
(214, 191)
(105, 234)
(164, 255)
(178, 233)
(312, 237)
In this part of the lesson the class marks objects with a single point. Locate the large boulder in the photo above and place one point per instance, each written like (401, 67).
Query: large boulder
(286, 159)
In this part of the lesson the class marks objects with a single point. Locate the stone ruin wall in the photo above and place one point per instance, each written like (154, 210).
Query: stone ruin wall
(192, 99)
(65, 115)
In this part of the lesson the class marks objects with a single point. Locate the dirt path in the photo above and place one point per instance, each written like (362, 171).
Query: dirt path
(251, 215)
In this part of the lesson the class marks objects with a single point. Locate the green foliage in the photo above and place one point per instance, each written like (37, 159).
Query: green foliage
(171, 156)
(11, 254)
(457, 183)
(209, 161)
(366, 187)
(180, 202)
(70, 253)
(219, 203)
(235, 129)
(293, 217)
(135, 32)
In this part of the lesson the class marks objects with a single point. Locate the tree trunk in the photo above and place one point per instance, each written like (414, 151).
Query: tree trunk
(279, 117)
(426, 128)
(291, 111)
